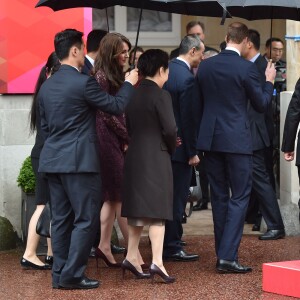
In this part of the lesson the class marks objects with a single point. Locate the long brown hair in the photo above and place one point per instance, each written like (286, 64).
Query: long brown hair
(111, 46)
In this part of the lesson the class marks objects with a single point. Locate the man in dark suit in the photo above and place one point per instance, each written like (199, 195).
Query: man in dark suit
(291, 124)
(70, 157)
(92, 45)
(193, 27)
(262, 189)
(181, 85)
(226, 82)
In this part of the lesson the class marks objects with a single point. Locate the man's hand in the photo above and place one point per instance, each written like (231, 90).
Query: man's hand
(178, 141)
(132, 76)
(289, 156)
(270, 72)
(194, 161)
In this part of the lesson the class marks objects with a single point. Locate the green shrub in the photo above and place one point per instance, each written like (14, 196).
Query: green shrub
(26, 178)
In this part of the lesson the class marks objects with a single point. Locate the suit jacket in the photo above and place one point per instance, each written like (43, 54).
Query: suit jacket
(181, 85)
(291, 124)
(87, 68)
(258, 127)
(68, 102)
(226, 82)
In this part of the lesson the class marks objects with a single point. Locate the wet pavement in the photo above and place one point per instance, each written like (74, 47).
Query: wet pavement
(194, 280)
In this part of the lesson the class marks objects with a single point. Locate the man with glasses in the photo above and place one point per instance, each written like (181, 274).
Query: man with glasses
(274, 50)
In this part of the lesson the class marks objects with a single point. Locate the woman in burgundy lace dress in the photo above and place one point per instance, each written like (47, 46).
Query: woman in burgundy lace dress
(113, 138)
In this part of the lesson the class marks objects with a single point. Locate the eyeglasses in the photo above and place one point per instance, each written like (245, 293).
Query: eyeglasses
(277, 50)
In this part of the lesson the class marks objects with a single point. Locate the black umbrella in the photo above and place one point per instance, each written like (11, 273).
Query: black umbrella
(210, 8)
(263, 9)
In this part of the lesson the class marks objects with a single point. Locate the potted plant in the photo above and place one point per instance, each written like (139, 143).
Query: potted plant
(26, 181)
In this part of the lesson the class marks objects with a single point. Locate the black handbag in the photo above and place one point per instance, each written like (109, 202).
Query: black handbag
(43, 223)
(195, 193)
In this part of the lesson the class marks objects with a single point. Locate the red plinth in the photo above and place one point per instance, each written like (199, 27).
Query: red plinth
(282, 278)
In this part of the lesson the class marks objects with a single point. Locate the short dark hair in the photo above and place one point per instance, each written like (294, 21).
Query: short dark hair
(223, 45)
(93, 39)
(273, 39)
(192, 24)
(66, 39)
(188, 42)
(151, 61)
(236, 32)
(254, 38)
(131, 53)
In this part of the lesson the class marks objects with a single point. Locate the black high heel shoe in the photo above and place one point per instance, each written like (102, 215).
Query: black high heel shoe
(154, 269)
(49, 260)
(26, 264)
(100, 254)
(126, 265)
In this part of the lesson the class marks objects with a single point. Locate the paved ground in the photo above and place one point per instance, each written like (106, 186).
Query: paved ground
(195, 280)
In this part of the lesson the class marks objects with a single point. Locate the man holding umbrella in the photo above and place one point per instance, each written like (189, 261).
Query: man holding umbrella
(226, 82)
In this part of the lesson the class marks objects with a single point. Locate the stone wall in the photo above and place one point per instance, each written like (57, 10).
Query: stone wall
(15, 145)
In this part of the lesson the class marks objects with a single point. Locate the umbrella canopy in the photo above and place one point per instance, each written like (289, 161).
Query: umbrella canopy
(187, 7)
(263, 9)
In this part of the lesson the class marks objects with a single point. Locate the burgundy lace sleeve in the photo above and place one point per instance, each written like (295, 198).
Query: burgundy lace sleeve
(116, 124)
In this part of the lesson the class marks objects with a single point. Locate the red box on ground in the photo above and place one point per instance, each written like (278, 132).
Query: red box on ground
(282, 278)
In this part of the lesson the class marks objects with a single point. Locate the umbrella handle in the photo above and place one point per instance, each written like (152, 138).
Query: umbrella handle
(137, 37)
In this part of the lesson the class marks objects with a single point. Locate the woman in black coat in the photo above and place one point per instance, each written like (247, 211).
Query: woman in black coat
(148, 181)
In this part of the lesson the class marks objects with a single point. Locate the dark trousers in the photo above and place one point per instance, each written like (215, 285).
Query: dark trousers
(228, 172)
(182, 174)
(75, 200)
(265, 193)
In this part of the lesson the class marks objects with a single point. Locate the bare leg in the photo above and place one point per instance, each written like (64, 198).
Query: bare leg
(156, 234)
(124, 228)
(107, 218)
(49, 250)
(134, 235)
(33, 238)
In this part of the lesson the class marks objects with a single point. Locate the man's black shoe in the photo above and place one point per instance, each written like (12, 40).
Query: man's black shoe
(228, 266)
(256, 227)
(273, 235)
(92, 252)
(183, 243)
(181, 256)
(84, 284)
(200, 206)
(117, 249)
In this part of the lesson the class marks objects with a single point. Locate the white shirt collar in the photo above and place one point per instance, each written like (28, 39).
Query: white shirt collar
(180, 58)
(233, 49)
(75, 68)
(92, 61)
(254, 58)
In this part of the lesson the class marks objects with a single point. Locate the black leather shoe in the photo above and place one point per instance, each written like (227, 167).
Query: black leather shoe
(49, 260)
(273, 235)
(256, 227)
(92, 252)
(228, 266)
(200, 206)
(84, 284)
(26, 264)
(117, 249)
(181, 256)
(183, 243)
